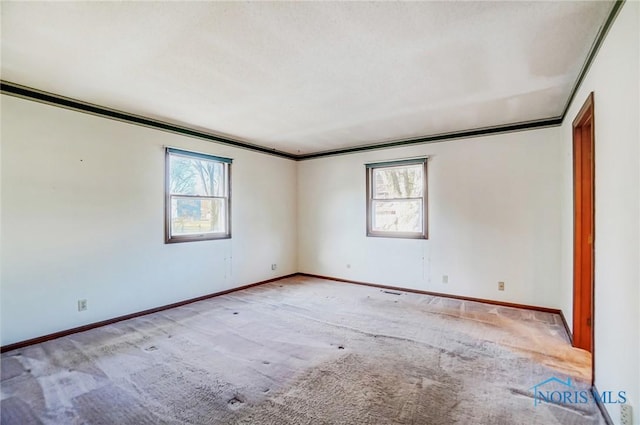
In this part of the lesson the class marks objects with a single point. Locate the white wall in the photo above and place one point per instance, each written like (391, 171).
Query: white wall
(613, 77)
(83, 217)
(494, 215)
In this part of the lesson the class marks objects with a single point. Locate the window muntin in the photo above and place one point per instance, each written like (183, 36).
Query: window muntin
(396, 199)
(198, 203)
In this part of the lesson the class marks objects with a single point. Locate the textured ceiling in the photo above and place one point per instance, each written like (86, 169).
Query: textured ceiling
(304, 77)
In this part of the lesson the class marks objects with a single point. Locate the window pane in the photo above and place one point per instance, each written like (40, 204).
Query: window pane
(195, 176)
(195, 216)
(398, 182)
(397, 216)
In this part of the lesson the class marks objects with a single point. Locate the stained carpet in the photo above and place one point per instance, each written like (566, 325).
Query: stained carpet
(305, 351)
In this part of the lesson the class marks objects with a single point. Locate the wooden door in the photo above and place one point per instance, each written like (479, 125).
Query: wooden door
(583, 248)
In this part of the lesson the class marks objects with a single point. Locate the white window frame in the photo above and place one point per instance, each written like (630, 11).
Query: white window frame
(370, 168)
(226, 162)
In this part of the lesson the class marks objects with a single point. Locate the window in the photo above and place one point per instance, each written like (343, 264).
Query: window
(397, 199)
(198, 196)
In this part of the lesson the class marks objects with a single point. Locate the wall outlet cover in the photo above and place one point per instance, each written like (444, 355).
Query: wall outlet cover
(626, 415)
(82, 305)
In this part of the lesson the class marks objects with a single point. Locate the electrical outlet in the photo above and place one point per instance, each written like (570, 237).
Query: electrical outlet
(274, 266)
(348, 266)
(82, 305)
(626, 416)
(445, 278)
(500, 286)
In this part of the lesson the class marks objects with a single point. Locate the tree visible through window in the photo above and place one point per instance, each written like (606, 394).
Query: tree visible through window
(397, 199)
(198, 196)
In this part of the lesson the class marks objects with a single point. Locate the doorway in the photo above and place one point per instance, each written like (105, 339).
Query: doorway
(583, 235)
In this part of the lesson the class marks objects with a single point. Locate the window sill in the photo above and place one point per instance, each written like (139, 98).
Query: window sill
(195, 238)
(397, 235)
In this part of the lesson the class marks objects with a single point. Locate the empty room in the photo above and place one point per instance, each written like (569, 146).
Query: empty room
(320, 213)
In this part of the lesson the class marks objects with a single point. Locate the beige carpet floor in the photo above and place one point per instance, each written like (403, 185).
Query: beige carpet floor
(303, 351)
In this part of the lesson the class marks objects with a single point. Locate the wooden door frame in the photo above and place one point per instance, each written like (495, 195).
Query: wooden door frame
(583, 321)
